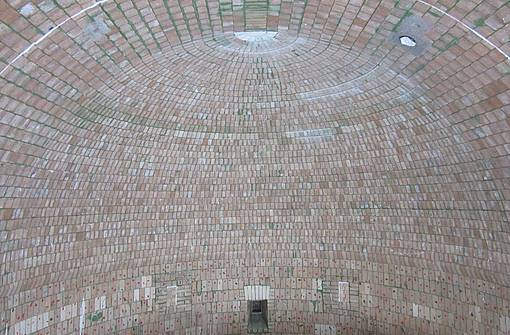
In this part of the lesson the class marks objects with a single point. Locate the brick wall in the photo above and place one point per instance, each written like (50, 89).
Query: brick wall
(155, 163)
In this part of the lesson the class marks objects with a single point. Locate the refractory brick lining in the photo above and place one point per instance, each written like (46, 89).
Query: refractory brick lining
(163, 163)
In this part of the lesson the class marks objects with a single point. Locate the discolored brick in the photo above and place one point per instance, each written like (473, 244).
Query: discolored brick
(166, 163)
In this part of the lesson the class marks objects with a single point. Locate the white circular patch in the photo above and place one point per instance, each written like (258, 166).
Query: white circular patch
(255, 36)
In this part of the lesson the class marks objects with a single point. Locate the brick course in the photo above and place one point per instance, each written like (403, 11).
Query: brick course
(159, 157)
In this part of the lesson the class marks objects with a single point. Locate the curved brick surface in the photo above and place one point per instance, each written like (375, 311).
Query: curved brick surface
(164, 162)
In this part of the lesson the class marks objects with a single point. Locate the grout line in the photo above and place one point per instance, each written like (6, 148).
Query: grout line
(27, 50)
(485, 39)
(100, 2)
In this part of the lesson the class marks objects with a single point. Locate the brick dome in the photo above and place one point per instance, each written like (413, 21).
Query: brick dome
(230, 167)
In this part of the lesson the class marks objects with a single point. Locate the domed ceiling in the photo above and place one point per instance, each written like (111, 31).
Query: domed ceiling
(230, 167)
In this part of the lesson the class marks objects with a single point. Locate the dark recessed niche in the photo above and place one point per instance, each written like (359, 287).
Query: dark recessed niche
(257, 321)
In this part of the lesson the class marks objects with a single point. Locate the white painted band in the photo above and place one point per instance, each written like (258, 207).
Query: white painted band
(486, 40)
(100, 2)
(27, 50)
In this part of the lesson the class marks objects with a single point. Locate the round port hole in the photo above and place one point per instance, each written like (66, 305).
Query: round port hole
(408, 41)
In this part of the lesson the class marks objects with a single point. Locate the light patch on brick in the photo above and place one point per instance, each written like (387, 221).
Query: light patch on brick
(100, 303)
(504, 324)
(343, 292)
(166, 298)
(136, 294)
(312, 134)
(145, 293)
(319, 284)
(97, 29)
(255, 36)
(350, 87)
(257, 292)
(146, 281)
(148, 293)
(171, 300)
(416, 310)
(47, 5)
(421, 312)
(82, 315)
(32, 325)
(27, 10)
(68, 312)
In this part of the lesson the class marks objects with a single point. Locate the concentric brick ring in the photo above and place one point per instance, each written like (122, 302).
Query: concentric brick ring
(164, 163)
(347, 92)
